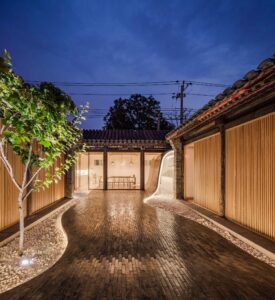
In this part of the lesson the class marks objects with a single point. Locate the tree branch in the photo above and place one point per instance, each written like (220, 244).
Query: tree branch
(33, 176)
(27, 167)
(2, 129)
(8, 167)
(28, 193)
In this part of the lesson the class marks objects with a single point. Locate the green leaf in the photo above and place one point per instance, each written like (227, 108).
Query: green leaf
(45, 143)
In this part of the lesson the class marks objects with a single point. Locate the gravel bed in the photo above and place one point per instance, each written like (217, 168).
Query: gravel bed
(179, 208)
(45, 243)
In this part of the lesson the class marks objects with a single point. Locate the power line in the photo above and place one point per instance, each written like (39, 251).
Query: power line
(119, 94)
(143, 94)
(125, 84)
(104, 84)
(207, 83)
(161, 110)
(167, 113)
(107, 83)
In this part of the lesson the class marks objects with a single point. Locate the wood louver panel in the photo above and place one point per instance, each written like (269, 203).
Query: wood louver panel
(207, 172)
(8, 193)
(188, 178)
(250, 175)
(54, 192)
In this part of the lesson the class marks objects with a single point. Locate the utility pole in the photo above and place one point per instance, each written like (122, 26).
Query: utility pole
(180, 96)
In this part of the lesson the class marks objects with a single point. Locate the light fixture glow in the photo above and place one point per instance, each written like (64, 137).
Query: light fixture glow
(26, 262)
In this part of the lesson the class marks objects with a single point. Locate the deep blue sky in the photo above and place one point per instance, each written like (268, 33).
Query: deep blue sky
(121, 41)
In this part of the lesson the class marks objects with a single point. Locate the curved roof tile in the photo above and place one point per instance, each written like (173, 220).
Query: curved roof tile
(124, 134)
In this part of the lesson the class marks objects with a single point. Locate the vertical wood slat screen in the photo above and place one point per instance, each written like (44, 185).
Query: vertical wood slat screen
(207, 172)
(77, 172)
(8, 193)
(188, 177)
(250, 175)
(54, 192)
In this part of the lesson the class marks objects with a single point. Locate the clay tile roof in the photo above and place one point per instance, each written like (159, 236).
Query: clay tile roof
(267, 63)
(251, 74)
(238, 84)
(229, 97)
(124, 134)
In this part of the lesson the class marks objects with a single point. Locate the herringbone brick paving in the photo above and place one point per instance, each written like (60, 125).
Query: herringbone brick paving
(120, 248)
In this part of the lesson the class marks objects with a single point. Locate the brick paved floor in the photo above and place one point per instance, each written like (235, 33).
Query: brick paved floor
(120, 248)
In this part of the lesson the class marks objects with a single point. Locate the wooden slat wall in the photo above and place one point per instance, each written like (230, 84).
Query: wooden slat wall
(188, 171)
(8, 193)
(250, 175)
(77, 170)
(55, 192)
(207, 172)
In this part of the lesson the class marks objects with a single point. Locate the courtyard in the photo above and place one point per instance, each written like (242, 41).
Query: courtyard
(121, 248)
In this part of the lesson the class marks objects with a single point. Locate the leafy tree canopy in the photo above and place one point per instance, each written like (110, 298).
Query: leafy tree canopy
(57, 97)
(40, 124)
(136, 112)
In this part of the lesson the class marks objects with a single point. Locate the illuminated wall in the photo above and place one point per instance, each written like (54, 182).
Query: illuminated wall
(188, 177)
(83, 171)
(207, 172)
(77, 172)
(89, 171)
(95, 174)
(250, 176)
(123, 170)
(151, 170)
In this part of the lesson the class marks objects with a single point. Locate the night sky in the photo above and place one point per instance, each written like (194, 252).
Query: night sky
(135, 41)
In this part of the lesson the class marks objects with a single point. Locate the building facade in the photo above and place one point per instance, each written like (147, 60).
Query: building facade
(120, 160)
(225, 154)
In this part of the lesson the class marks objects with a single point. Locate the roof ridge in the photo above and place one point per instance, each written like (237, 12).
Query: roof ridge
(249, 79)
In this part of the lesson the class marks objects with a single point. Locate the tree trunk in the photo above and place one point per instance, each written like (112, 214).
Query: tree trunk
(21, 223)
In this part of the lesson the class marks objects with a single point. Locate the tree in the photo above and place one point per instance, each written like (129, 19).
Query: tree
(137, 112)
(57, 96)
(39, 129)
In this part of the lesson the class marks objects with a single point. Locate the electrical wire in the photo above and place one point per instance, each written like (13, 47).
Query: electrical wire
(123, 84)
(143, 94)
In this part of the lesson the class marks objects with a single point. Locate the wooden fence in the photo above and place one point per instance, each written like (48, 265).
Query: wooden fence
(8, 193)
(188, 177)
(250, 175)
(48, 196)
(207, 172)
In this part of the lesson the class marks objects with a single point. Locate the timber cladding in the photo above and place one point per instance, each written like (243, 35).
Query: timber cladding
(8, 193)
(54, 192)
(250, 175)
(207, 172)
